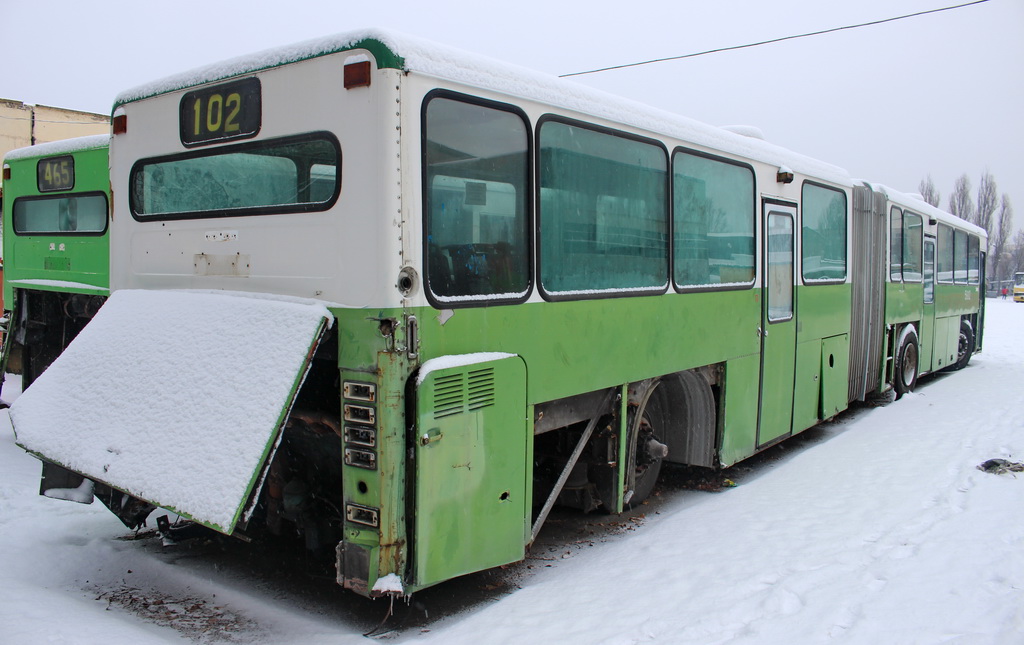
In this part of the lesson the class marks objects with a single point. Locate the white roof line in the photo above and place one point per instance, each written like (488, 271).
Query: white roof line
(455, 65)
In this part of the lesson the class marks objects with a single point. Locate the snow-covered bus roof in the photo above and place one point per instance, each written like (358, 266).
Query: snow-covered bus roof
(416, 55)
(62, 147)
(915, 203)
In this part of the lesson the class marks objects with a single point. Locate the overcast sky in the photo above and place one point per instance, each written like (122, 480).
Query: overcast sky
(940, 94)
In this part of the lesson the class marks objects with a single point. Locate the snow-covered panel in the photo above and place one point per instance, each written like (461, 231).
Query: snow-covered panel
(457, 360)
(451, 64)
(173, 396)
(265, 59)
(62, 147)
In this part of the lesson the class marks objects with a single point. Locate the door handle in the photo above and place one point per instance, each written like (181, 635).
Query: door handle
(431, 436)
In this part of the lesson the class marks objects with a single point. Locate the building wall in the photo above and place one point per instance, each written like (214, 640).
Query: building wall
(15, 125)
(25, 125)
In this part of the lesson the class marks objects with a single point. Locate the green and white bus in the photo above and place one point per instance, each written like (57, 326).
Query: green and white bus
(56, 247)
(931, 303)
(401, 301)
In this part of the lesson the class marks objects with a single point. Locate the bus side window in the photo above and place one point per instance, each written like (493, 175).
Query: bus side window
(476, 200)
(603, 219)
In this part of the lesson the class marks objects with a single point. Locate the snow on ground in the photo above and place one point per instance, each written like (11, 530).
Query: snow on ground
(877, 528)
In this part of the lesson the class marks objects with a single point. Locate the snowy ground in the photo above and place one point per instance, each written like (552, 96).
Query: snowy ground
(877, 528)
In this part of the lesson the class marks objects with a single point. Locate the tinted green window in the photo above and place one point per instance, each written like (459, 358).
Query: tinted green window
(824, 234)
(913, 235)
(960, 256)
(929, 271)
(476, 191)
(906, 233)
(896, 245)
(603, 212)
(973, 259)
(273, 176)
(780, 267)
(64, 214)
(944, 268)
(713, 213)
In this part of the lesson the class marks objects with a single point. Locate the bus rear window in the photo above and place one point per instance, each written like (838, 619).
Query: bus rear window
(61, 215)
(294, 174)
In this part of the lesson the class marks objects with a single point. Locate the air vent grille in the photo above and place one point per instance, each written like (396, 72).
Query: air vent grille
(449, 395)
(481, 389)
(463, 392)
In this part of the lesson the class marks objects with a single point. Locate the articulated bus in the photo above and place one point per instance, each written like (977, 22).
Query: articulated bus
(933, 303)
(56, 247)
(396, 302)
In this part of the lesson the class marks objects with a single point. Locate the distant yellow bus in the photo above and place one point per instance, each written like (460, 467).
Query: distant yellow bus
(1018, 286)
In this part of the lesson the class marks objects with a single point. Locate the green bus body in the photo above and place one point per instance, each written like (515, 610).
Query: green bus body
(56, 246)
(539, 294)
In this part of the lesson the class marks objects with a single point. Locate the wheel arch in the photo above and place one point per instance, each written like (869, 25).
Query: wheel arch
(691, 432)
(906, 359)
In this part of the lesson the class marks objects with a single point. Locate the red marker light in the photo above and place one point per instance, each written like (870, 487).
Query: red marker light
(357, 74)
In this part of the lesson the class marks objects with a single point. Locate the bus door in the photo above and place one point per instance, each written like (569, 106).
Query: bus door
(778, 324)
(979, 328)
(927, 339)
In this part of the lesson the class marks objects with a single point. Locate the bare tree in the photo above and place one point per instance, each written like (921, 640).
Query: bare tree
(960, 202)
(1000, 240)
(988, 200)
(1017, 257)
(929, 192)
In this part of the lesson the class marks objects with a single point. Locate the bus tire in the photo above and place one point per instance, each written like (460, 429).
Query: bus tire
(907, 364)
(647, 424)
(965, 346)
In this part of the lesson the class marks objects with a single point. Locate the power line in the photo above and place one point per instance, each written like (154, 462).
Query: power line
(776, 40)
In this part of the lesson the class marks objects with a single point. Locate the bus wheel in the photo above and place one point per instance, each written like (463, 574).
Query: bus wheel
(965, 347)
(647, 423)
(906, 367)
